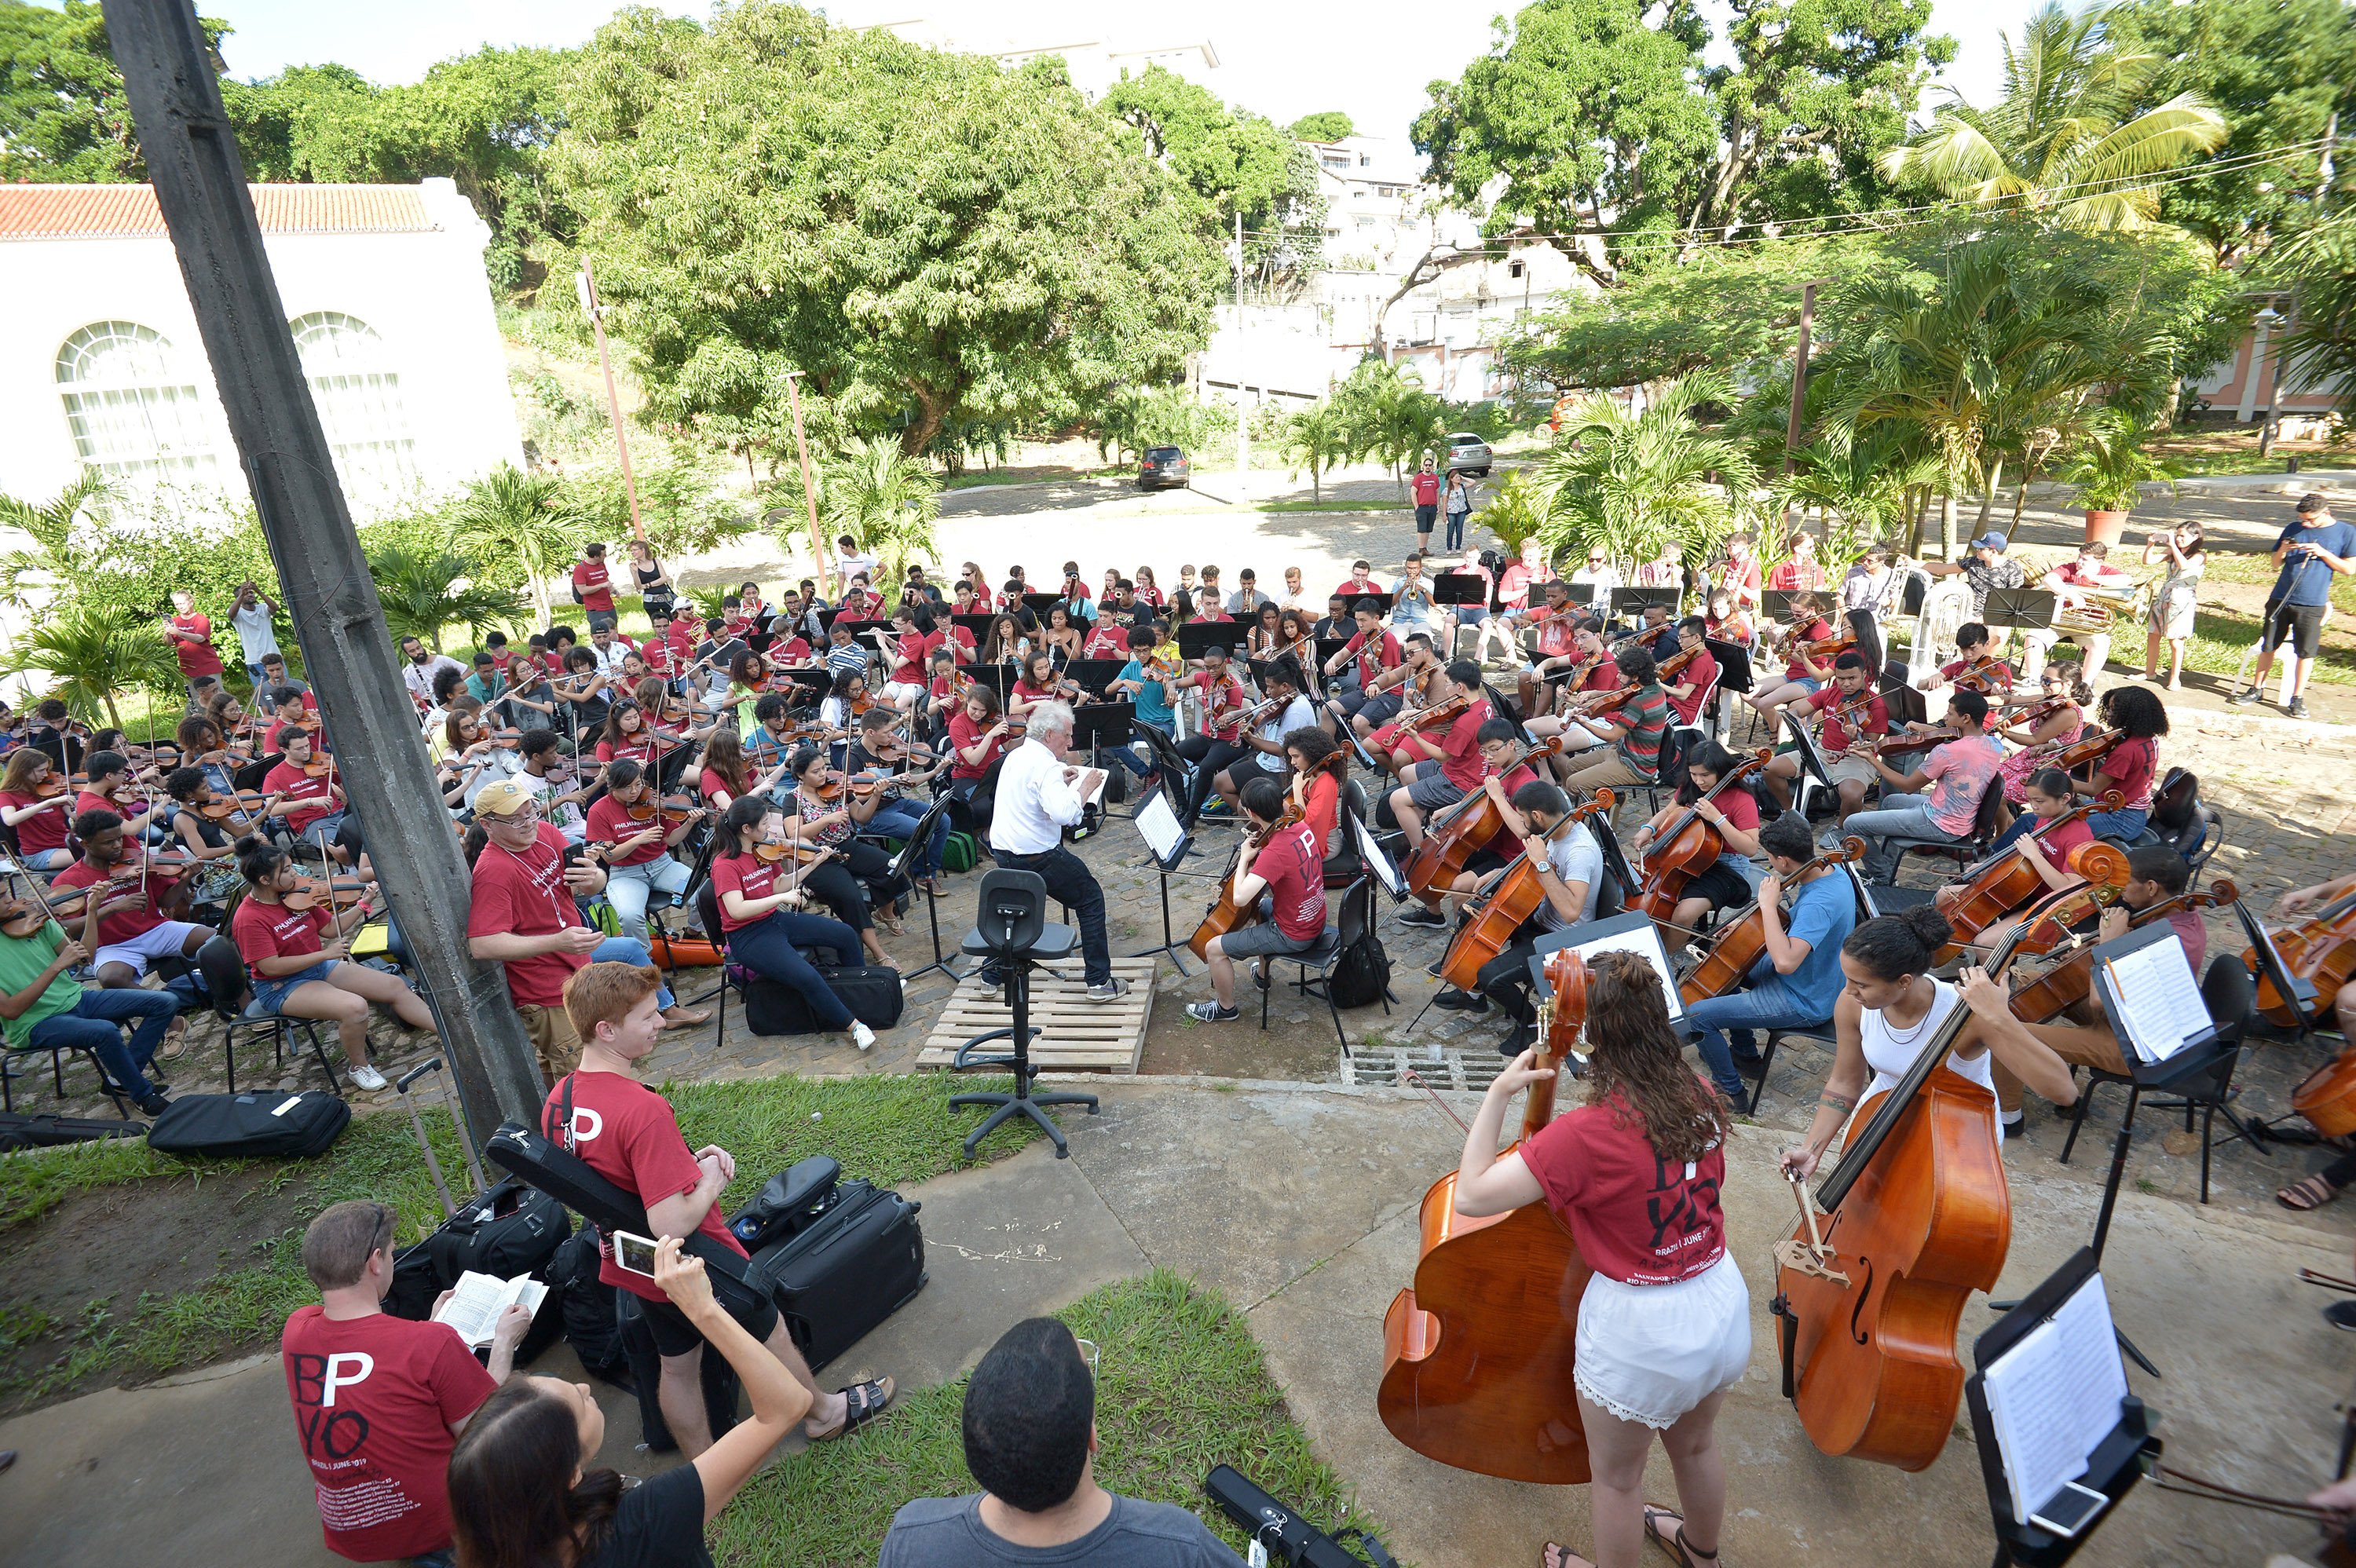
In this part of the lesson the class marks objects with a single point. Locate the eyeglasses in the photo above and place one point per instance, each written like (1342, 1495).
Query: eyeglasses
(1090, 1352)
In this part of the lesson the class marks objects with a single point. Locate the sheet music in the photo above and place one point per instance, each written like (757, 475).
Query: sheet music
(1380, 863)
(1645, 942)
(2054, 1396)
(1087, 783)
(474, 1311)
(2157, 1000)
(1158, 825)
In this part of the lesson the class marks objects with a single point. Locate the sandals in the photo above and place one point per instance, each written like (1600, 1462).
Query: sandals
(1552, 1555)
(2305, 1196)
(861, 1403)
(1673, 1542)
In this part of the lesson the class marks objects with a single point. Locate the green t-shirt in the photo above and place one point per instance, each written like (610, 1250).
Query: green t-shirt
(21, 963)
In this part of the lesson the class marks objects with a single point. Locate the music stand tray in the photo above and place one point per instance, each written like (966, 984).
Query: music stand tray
(1196, 638)
(1641, 599)
(1812, 756)
(1733, 664)
(1459, 588)
(2020, 609)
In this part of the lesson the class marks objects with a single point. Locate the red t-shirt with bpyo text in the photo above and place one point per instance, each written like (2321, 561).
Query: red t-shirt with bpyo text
(374, 1400)
(1637, 1218)
(629, 1134)
(526, 894)
(1292, 864)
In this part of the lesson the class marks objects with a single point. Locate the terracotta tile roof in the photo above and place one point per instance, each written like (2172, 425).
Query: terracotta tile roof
(104, 211)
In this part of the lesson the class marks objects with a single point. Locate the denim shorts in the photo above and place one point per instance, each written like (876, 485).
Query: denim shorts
(270, 991)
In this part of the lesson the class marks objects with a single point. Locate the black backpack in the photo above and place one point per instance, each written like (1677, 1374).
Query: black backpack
(590, 1327)
(1361, 974)
(262, 1124)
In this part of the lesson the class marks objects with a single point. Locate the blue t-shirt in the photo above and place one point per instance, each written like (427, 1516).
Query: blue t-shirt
(1823, 914)
(2303, 579)
(1151, 707)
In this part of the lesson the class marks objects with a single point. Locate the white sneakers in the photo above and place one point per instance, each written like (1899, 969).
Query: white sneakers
(366, 1076)
(860, 1033)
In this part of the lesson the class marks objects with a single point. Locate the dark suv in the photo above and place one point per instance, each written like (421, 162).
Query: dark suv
(1162, 466)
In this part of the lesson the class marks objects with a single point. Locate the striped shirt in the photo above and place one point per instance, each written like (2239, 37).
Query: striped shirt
(1646, 714)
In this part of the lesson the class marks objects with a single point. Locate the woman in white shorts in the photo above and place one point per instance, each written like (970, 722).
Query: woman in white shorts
(1665, 1324)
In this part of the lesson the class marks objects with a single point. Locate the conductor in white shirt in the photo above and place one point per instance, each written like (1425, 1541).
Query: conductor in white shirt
(1036, 801)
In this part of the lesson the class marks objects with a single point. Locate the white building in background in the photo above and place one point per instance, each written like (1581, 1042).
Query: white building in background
(1093, 63)
(100, 365)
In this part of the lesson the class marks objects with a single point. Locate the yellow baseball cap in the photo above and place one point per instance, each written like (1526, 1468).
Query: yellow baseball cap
(503, 798)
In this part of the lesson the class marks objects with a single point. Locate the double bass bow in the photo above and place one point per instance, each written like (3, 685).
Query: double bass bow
(1478, 1350)
(1687, 847)
(1492, 919)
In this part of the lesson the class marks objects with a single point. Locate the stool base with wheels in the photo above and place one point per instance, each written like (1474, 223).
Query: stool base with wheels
(1011, 936)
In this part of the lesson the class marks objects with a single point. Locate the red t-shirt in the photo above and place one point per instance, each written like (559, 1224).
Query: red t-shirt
(1292, 864)
(1502, 840)
(86, 801)
(1228, 696)
(791, 653)
(2193, 934)
(959, 642)
(1107, 642)
(2057, 842)
(124, 925)
(1998, 674)
(1697, 675)
(1427, 490)
(292, 781)
(1834, 736)
(1816, 633)
(1464, 763)
(914, 648)
(1352, 591)
(1604, 676)
(628, 1134)
(1636, 1218)
(1213, 612)
(590, 577)
(1739, 806)
(273, 930)
(1558, 633)
(2130, 767)
(1323, 795)
(746, 874)
(1386, 654)
(375, 1398)
(610, 823)
(195, 659)
(963, 733)
(43, 830)
(641, 749)
(709, 785)
(525, 894)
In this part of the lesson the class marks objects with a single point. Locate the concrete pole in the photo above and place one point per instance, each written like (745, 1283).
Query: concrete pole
(200, 186)
(809, 483)
(597, 312)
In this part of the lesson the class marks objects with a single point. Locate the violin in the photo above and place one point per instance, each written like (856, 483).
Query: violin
(1225, 914)
(51, 788)
(1904, 742)
(1979, 676)
(1866, 1306)
(1675, 664)
(306, 893)
(1825, 647)
(1457, 833)
(1742, 939)
(653, 808)
(1491, 920)
(2037, 713)
(1449, 710)
(2071, 981)
(1689, 846)
(250, 803)
(1478, 1348)
(2091, 749)
(2005, 883)
(802, 855)
(2319, 950)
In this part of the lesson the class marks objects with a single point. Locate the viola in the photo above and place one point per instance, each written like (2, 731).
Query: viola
(1449, 710)
(1225, 914)
(2319, 950)
(2071, 981)
(2005, 883)
(1675, 665)
(1456, 833)
(1739, 943)
(2090, 749)
(1478, 1348)
(1906, 741)
(1688, 847)
(1866, 1307)
(1491, 920)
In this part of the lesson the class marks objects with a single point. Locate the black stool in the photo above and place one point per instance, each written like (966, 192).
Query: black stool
(1011, 934)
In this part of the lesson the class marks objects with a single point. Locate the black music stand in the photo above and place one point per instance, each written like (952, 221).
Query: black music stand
(2063, 1523)
(1733, 664)
(1092, 675)
(1196, 638)
(2020, 609)
(1615, 860)
(1096, 725)
(1812, 757)
(1169, 839)
(976, 626)
(1040, 603)
(1631, 930)
(1905, 703)
(1353, 599)
(1639, 600)
(2302, 993)
(1459, 588)
(1775, 603)
(998, 678)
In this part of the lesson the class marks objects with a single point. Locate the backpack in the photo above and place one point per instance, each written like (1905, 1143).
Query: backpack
(1362, 972)
(959, 852)
(590, 1327)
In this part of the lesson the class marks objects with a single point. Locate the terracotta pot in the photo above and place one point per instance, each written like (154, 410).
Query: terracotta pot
(2104, 528)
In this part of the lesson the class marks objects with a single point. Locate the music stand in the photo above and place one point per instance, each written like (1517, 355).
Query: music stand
(910, 852)
(1351, 597)
(1096, 725)
(1639, 600)
(976, 626)
(998, 678)
(1904, 701)
(1775, 603)
(1092, 675)
(2020, 609)
(1196, 638)
(2071, 1301)
(2300, 993)
(1631, 931)
(1459, 588)
(1040, 603)
(1812, 757)
(1581, 593)
(1615, 860)
(1168, 841)
(1386, 873)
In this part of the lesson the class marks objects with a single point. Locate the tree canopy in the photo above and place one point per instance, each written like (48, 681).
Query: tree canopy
(1237, 162)
(63, 115)
(1325, 125)
(930, 237)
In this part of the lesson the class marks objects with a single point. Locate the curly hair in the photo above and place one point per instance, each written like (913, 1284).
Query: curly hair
(1638, 1067)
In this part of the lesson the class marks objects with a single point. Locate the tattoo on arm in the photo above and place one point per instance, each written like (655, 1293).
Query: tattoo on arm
(1840, 1103)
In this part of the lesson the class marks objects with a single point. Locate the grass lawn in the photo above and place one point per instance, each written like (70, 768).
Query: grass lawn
(1181, 1387)
(890, 1130)
(2233, 593)
(984, 480)
(2199, 451)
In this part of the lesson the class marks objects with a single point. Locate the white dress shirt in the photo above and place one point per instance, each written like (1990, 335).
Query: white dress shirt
(1035, 803)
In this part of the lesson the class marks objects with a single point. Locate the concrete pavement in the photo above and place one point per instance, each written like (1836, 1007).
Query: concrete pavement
(1299, 1204)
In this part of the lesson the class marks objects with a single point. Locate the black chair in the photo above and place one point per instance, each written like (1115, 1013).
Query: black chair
(15, 1062)
(1775, 1038)
(230, 995)
(1011, 936)
(902, 871)
(1316, 962)
(2231, 996)
(2184, 822)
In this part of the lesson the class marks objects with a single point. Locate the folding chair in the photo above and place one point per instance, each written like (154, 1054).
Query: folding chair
(230, 994)
(1316, 963)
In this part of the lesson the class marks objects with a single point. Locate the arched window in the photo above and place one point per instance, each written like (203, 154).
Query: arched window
(359, 396)
(137, 414)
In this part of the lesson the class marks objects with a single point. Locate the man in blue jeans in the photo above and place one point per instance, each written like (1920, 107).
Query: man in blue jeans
(43, 1007)
(1036, 801)
(1796, 983)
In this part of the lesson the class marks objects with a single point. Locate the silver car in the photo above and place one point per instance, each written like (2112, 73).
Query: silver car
(1468, 453)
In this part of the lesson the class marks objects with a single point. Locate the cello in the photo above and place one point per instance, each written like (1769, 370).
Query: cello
(2319, 950)
(1478, 1350)
(2071, 980)
(1492, 919)
(1687, 847)
(1741, 942)
(1866, 1306)
(2007, 882)
(1225, 914)
(1457, 833)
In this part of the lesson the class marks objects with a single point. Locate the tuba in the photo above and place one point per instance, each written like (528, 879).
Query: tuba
(2105, 607)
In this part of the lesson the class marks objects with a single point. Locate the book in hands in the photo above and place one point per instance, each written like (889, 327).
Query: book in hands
(473, 1308)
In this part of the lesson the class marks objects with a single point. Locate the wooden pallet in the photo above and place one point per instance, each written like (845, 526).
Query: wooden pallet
(1077, 1035)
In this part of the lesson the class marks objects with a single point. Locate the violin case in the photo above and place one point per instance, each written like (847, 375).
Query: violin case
(268, 1122)
(870, 991)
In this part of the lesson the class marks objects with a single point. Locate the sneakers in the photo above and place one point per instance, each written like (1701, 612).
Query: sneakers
(1436, 967)
(365, 1076)
(862, 1036)
(1212, 1013)
(2297, 708)
(1429, 919)
(152, 1104)
(1107, 991)
(1457, 1001)
(2242, 698)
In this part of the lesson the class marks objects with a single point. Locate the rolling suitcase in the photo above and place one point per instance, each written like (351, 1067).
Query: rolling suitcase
(858, 1258)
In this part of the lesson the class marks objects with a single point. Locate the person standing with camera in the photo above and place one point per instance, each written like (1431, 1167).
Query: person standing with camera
(2316, 547)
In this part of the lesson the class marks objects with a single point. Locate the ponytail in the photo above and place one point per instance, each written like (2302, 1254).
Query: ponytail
(1894, 947)
(258, 859)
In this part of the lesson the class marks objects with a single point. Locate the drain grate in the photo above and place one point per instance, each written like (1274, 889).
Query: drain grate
(1462, 1071)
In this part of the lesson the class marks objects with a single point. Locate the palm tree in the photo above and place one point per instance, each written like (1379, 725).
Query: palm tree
(424, 591)
(1316, 438)
(2068, 137)
(885, 500)
(1968, 356)
(2321, 348)
(1864, 477)
(520, 524)
(1637, 483)
(56, 559)
(95, 653)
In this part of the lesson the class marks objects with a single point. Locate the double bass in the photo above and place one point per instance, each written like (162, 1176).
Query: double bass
(1688, 847)
(1478, 1351)
(1492, 919)
(1866, 1306)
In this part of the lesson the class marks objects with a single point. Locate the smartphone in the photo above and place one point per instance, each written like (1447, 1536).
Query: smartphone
(636, 1253)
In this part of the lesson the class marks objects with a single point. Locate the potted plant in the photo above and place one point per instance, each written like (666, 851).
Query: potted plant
(2109, 470)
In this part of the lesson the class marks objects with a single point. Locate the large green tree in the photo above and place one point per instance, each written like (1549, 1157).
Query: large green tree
(1240, 164)
(929, 237)
(63, 115)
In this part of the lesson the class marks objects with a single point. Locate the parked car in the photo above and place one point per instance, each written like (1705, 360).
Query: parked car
(1166, 466)
(1468, 453)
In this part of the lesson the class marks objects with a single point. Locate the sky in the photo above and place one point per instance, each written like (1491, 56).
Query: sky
(1371, 58)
